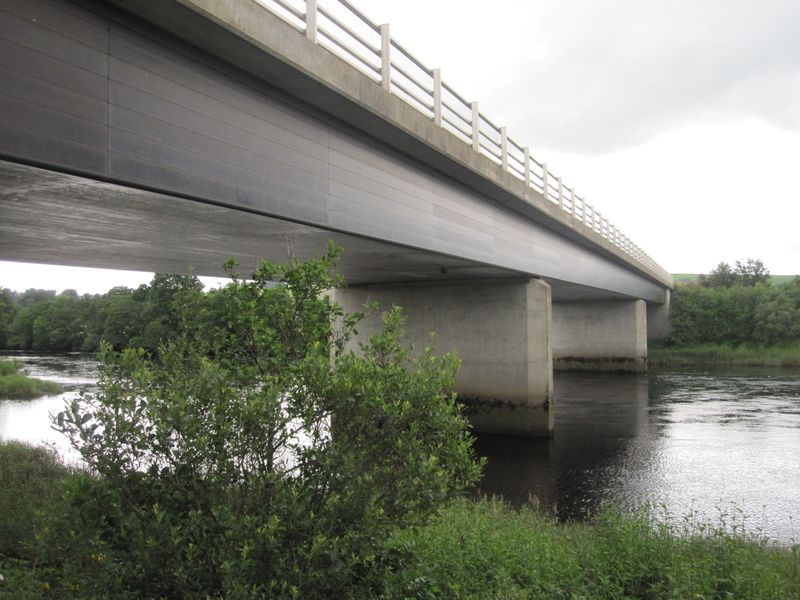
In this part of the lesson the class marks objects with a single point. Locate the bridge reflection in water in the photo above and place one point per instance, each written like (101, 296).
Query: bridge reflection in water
(602, 431)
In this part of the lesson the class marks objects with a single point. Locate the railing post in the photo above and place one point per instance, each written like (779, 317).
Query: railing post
(504, 148)
(437, 97)
(311, 20)
(545, 189)
(560, 194)
(574, 199)
(476, 128)
(526, 157)
(386, 59)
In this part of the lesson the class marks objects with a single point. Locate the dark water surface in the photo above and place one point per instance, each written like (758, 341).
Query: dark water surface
(700, 442)
(695, 442)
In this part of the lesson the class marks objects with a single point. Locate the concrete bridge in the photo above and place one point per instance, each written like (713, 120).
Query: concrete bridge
(166, 134)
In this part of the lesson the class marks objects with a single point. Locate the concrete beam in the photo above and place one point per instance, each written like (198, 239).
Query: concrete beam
(257, 41)
(607, 336)
(501, 330)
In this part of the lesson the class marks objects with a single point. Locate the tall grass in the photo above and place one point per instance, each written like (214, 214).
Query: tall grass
(30, 479)
(9, 367)
(725, 355)
(477, 550)
(19, 387)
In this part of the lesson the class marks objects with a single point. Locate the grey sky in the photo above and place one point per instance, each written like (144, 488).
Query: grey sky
(678, 119)
(593, 77)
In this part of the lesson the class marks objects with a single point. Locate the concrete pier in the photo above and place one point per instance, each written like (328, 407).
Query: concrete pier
(604, 335)
(501, 330)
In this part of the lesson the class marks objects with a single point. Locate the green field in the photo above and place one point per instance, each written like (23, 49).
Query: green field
(692, 277)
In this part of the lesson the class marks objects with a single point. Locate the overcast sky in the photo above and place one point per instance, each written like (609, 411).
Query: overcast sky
(678, 119)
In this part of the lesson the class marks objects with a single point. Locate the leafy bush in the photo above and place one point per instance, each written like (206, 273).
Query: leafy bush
(759, 315)
(259, 457)
(30, 484)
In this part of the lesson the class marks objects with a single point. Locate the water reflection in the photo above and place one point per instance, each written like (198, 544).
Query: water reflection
(596, 418)
(691, 441)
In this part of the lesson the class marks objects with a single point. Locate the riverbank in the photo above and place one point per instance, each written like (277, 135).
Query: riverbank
(18, 386)
(483, 549)
(724, 355)
(472, 549)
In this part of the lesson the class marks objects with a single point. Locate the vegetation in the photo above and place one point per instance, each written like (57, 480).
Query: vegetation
(732, 316)
(724, 355)
(478, 550)
(43, 321)
(15, 385)
(257, 457)
(9, 367)
(32, 479)
(468, 550)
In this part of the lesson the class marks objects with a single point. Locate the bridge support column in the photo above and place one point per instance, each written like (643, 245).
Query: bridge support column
(501, 330)
(658, 318)
(603, 335)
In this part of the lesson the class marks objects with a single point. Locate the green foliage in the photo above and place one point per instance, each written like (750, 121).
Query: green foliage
(42, 321)
(9, 367)
(478, 550)
(259, 457)
(749, 273)
(17, 386)
(721, 276)
(30, 483)
(725, 354)
(740, 314)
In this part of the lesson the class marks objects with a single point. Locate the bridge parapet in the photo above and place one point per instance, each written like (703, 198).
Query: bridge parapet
(345, 31)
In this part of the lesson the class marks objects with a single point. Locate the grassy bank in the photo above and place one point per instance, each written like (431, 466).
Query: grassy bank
(481, 550)
(724, 355)
(470, 550)
(9, 367)
(16, 386)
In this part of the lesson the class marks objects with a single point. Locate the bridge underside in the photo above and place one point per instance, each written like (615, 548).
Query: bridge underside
(166, 144)
(56, 218)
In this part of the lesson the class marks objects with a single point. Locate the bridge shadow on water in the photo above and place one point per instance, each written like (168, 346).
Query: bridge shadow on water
(600, 420)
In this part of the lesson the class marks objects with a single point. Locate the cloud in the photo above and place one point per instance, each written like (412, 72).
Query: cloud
(601, 76)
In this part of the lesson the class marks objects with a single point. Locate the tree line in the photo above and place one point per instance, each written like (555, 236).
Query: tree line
(736, 305)
(44, 321)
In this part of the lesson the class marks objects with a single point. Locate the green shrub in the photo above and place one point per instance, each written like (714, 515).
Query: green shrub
(30, 484)
(756, 315)
(259, 458)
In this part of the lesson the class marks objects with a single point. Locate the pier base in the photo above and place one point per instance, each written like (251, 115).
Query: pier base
(501, 330)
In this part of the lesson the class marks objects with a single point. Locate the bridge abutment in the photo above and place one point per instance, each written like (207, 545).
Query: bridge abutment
(501, 330)
(609, 335)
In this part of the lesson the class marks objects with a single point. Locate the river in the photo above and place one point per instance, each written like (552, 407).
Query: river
(710, 443)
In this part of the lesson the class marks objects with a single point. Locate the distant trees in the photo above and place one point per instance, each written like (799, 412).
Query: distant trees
(748, 273)
(43, 321)
(736, 306)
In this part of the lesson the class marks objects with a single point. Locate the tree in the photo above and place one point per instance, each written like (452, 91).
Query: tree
(721, 276)
(260, 458)
(751, 272)
(8, 310)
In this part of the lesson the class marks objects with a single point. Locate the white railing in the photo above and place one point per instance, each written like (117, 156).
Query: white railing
(343, 29)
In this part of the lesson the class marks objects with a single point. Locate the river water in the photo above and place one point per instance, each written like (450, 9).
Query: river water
(703, 442)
